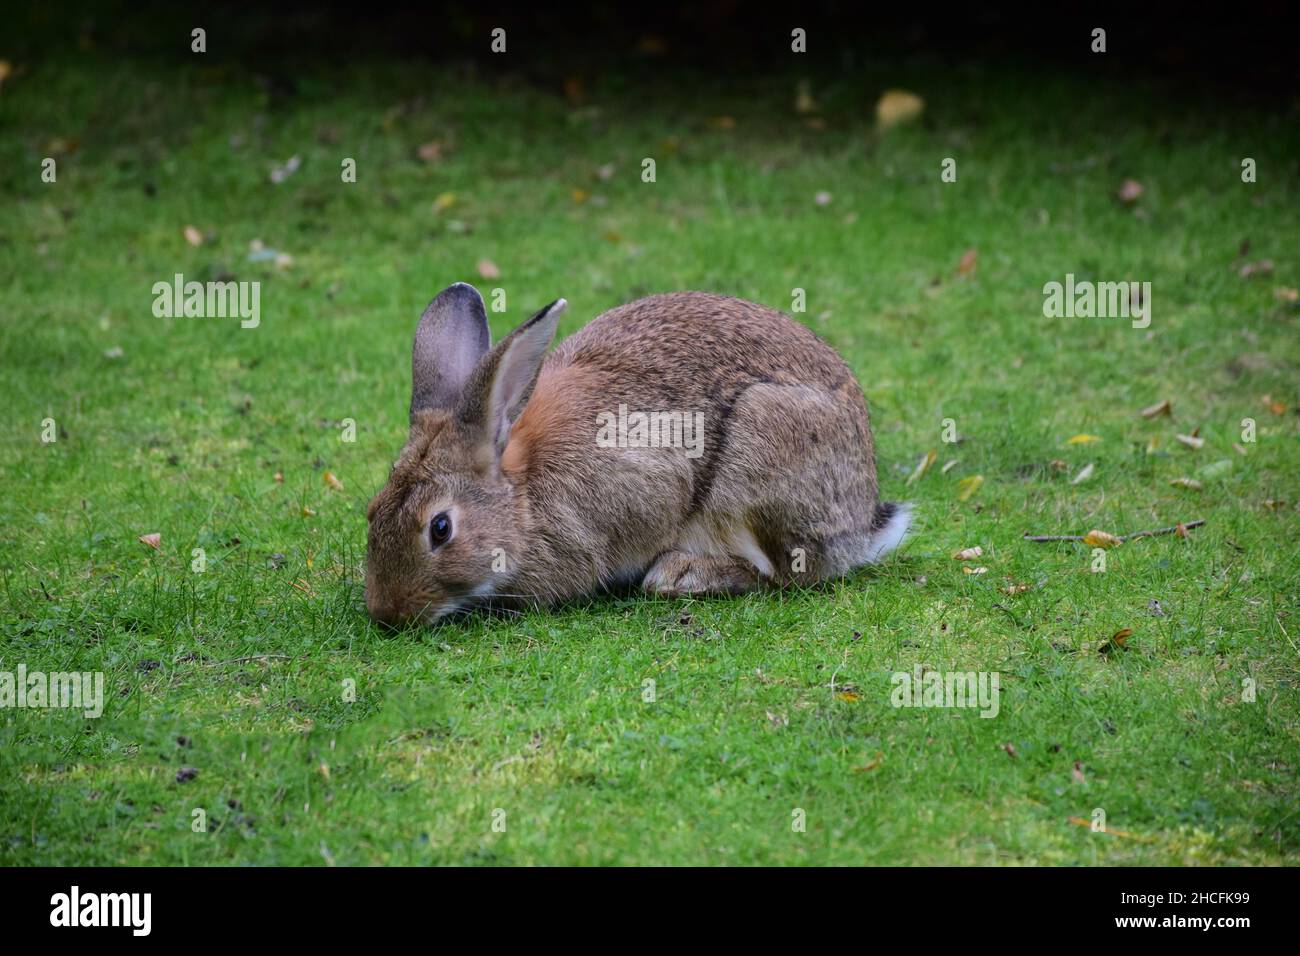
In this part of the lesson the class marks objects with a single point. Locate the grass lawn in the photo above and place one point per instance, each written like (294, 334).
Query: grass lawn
(219, 438)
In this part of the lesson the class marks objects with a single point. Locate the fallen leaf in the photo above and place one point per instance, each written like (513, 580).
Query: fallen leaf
(487, 269)
(898, 106)
(848, 696)
(1284, 293)
(652, 45)
(280, 173)
(1162, 407)
(430, 152)
(278, 478)
(968, 486)
(308, 512)
(1010, 750)
(1057, 465)
(1189, 483)
(1262, 267)
(579, 195)
(444, 202)
(1082, 439)
(193, 236)
(967, 569)
(1077, 773)
(1013, 589)
(1108, 831)
(922, 467)
(871, 764)
(153, 540)
(1191, 441)
(1116, 642)
(968, 554)
(1084, 474)
(948, 466)
(1129, 191)
(1272, 504)
(803, 99)
(1238, 449)
(966, 265)
(332, 481)
(1101, 539)
(1277, 408)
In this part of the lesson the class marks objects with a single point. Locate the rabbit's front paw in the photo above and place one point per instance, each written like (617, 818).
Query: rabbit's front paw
(677, 573)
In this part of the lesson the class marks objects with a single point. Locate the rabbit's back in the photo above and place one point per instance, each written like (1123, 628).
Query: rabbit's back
(681, 345)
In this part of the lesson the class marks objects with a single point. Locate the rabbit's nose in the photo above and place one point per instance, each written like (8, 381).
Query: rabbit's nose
(382, 610)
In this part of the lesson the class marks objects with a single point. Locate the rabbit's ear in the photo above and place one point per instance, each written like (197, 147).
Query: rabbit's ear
(504, 380)
(451, 338)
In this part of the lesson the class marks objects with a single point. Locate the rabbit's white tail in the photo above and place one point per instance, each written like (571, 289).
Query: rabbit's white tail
(889, 526)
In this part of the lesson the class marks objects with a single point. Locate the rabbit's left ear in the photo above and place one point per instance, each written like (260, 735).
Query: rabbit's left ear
(450, 339)
(503, 381)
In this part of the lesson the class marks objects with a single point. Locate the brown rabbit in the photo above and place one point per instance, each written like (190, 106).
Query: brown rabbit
(693, 443)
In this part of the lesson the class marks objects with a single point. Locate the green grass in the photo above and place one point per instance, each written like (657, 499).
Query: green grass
(542, 715)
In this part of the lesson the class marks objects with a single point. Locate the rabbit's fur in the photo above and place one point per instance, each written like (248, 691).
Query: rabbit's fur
(503, 442)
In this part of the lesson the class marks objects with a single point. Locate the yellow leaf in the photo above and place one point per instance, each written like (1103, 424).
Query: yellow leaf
(898, 106)
(850, 697)
(1082, 439)
(968, 486)
(1101, 539)
(332, 481)
(443, 202)
(922, 467)
(580, 195)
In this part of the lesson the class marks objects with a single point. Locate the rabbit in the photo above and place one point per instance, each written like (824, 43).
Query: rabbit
(505, 492)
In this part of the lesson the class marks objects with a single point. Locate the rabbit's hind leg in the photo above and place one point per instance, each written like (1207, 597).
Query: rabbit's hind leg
(796, 472)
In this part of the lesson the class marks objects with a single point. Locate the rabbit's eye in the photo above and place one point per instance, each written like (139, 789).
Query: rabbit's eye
(439, 529)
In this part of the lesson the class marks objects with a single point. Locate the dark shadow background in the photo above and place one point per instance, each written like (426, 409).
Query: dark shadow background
(1245, 52)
